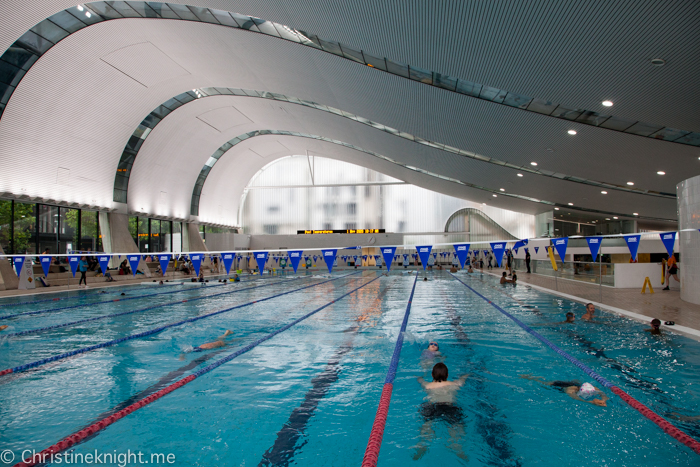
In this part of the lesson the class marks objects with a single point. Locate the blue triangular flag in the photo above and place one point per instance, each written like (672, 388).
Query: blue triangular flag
(594, 245)
(19, 262)
(329, 258)
(537, 249)
(633, 244)
(261, 259)
(560, 244)
(435, 255)
(669, 240)
(133, 262)
(104, 262)
(196, 262)
(498, 249)
(164, 261)
(227, 258)
(462, 250)
(73, 262)
(45, 264)
(364, 257)
(424, 253)
(294, 258)
(388, 255)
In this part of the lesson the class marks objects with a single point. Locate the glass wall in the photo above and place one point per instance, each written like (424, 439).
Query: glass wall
(24, 236)
(154, 235)
(5, 224)
(285, 197)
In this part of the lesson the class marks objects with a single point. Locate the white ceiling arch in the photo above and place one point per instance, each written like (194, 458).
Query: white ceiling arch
(105, 106)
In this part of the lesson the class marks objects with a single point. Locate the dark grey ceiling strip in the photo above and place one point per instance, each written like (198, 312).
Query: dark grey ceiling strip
(202, 178)
(17, 60)
(121, 179)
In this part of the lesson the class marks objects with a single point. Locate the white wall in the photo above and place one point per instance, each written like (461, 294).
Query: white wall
(273, 242)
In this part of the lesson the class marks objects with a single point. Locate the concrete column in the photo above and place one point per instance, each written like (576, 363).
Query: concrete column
(689, 218)
(8, 278)
(195, 240)
(121, 240)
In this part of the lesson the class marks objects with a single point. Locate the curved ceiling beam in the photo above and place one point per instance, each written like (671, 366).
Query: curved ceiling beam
(20, 57)
(201, 179)
(126, 162)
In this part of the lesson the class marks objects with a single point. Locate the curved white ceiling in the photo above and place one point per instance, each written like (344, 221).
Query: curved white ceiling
(79, 104)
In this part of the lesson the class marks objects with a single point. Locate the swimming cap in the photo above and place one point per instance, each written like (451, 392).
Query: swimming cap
(586, 391)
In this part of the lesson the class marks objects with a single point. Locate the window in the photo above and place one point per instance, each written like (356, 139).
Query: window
(270, 229)
(352, 209)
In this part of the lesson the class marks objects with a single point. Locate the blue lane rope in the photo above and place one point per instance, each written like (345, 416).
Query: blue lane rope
(150, 332)
(394, 365)
(250, 346)
(544, 340)
(139, 310)
(51, 310)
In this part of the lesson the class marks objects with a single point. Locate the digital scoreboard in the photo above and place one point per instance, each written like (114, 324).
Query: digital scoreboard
(348, 231)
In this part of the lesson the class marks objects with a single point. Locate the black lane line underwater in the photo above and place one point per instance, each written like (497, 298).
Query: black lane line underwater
(27, 366)
(138, 310)
(285, 446)
(641, 382)
(82, 305)
(490, 426)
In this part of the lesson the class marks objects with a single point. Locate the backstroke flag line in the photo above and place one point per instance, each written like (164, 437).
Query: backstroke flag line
(294, 258)
(462, 251)
(424, 254)
(388, 254)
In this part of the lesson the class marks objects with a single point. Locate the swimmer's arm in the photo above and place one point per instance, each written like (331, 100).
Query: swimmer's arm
(460, 381)
(422, 382)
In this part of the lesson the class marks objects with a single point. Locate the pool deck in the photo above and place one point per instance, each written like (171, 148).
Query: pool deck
(665, 305)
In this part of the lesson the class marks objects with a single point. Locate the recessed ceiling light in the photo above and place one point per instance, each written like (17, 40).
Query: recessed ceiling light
(572, 132)
(502, 189)
(520, 175)
(571, 204)
(604, 192)
(661, 172)
(556, 209)
(614, 217)
(607, 103)
(87, 13)
(80, 7)
(635, 213)
(658, 61)
(630, 183)
(607, 218)
(484, 204)
(533, 163)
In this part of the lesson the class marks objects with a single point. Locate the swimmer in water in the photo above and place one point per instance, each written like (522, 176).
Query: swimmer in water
(3, 327)
(655, 325)
(440, 407)
(470, 270)
(590, 312)
(220, 342)
(425, 279)
(504, 279)
(570, 318)
(433, 351)
(585, 392)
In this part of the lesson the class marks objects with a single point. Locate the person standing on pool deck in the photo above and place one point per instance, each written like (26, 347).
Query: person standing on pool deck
(671, 270)
(585, 392)
(83, 267)
(527, 260)
(440, 406)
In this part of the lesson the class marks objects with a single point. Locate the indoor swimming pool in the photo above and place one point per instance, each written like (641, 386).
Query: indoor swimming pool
(308, 395)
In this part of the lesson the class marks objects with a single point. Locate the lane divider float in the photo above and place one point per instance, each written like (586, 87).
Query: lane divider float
(666, 426)
(102, 424)
(375, 438)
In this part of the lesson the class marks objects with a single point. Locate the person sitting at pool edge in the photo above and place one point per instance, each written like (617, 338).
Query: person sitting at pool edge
(440, 406)
(655, 325)
(581, 392)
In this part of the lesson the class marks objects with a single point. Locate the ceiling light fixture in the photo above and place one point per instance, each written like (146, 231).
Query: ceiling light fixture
(607, 103)
(87, 13)
(630, 183)
(502, 189)
(520, 175)
(571, 204)
(661, 172)
(495, 196)
(533, 163)
(604, 192)
(614, 217)
(556, 209)
(635, 213)
(572, 132)
(80, 8)
(607, 218)
(658, 61)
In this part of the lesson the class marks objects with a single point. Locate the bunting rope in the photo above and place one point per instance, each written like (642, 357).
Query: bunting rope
(375, 438)
(666, 426)
(102, 424)
(62, 356)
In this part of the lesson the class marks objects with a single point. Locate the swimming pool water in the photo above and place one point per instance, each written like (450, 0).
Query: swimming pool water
(308, 396)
